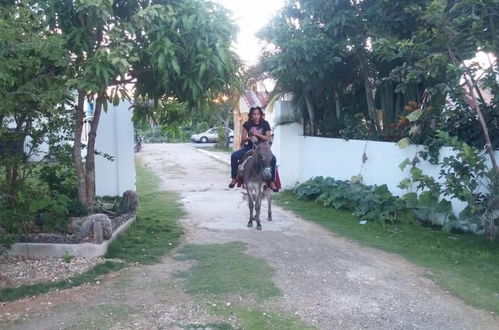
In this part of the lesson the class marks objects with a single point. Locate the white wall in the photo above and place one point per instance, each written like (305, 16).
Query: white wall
(300, 158)
(287, 147)
(115, 137)
(37, 154)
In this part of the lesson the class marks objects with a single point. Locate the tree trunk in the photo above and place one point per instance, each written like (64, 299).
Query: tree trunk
(469, 81)
(337, 104)
(370, 103)
(90, 164)
(226, 133)
(80, 173)
(364, 70)
(11, 176)
(490, 147)
(311, 114)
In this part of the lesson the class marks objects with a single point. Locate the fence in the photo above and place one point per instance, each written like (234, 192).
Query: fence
(300, 158)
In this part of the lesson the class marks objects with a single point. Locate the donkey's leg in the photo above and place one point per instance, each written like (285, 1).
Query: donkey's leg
(258, 204)
(269, 204)
(250, 205)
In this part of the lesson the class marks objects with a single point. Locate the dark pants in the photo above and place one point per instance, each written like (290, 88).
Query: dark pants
(237, 155)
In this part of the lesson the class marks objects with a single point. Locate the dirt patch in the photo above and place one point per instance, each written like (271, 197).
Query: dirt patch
(36, 306)
(17, 271)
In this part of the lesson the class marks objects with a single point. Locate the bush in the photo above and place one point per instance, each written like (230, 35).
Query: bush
(60, 179)
(366, 202)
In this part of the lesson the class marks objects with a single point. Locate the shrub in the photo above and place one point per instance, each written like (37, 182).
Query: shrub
(366, 202)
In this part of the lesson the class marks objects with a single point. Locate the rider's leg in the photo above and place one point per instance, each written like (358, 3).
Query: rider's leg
(272, 180)
(234, 160)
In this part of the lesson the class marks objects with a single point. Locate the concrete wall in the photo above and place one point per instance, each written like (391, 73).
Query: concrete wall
(300, 158)
(288, 148)
(115, 137)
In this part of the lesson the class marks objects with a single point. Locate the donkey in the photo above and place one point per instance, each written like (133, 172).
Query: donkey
(256, 172)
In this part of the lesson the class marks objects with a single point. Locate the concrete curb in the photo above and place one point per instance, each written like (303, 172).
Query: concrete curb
(75, 250)
(212, 155)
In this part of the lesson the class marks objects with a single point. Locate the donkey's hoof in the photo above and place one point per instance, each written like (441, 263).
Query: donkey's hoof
(258, 227)
(250, 224)
(269, 218)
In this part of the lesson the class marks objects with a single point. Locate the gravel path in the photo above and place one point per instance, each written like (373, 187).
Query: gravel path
(327, 281)
(17, 271)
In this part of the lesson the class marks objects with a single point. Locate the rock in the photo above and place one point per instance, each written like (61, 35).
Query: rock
(75, 224)
(130, 201)
(87, 229)
(98, 232)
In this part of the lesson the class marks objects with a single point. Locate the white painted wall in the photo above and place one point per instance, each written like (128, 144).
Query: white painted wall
(300, 158)
(115, 137)
(37, 154)
(287, 147)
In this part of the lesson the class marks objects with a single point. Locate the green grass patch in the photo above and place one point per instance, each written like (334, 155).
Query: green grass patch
(257, 319)
(11, 294)
(465, 265)
(217, 148)
(156, 230)
(226, 269)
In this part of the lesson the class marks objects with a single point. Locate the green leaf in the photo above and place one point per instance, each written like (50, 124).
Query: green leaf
(411, 199)
(175, 66)
(405, 183)
(39, 204)
(404, 143)
(415, 115)
(444, 206)
(404, 164)
(356, 179)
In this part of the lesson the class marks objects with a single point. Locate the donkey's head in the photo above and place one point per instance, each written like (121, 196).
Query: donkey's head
(264, 155)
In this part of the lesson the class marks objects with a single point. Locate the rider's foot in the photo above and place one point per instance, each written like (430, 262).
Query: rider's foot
(232, 183)
(273, 186)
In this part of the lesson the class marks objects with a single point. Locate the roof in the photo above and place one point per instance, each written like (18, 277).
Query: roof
(255, 99)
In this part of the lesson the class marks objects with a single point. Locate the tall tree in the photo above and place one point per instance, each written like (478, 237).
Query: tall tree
(321, 56)
(448, 36)
(167, 48)
(32, 92)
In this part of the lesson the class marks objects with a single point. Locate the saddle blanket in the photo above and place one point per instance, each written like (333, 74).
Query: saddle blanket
(240, 180)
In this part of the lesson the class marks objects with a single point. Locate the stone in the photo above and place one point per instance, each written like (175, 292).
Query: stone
(130, 201)
(87, 229)
(75, 224)
(98, 232)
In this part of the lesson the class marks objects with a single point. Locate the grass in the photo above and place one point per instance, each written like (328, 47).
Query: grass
(219, 148)
(155, 232)
(465, 265)
(258, 319)
(226, 269)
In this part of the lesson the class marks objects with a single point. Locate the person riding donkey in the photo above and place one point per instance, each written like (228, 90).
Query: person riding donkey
(256, 130)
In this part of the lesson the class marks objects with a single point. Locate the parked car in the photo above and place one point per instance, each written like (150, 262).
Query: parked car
(211, 135)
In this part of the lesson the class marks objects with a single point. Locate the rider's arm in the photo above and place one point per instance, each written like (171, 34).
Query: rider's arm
(244, 136)
(264, 137)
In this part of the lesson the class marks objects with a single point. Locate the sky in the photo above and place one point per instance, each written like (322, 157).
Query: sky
(250, 16)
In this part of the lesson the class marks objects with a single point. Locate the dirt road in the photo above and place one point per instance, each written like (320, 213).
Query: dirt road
(323, 281)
